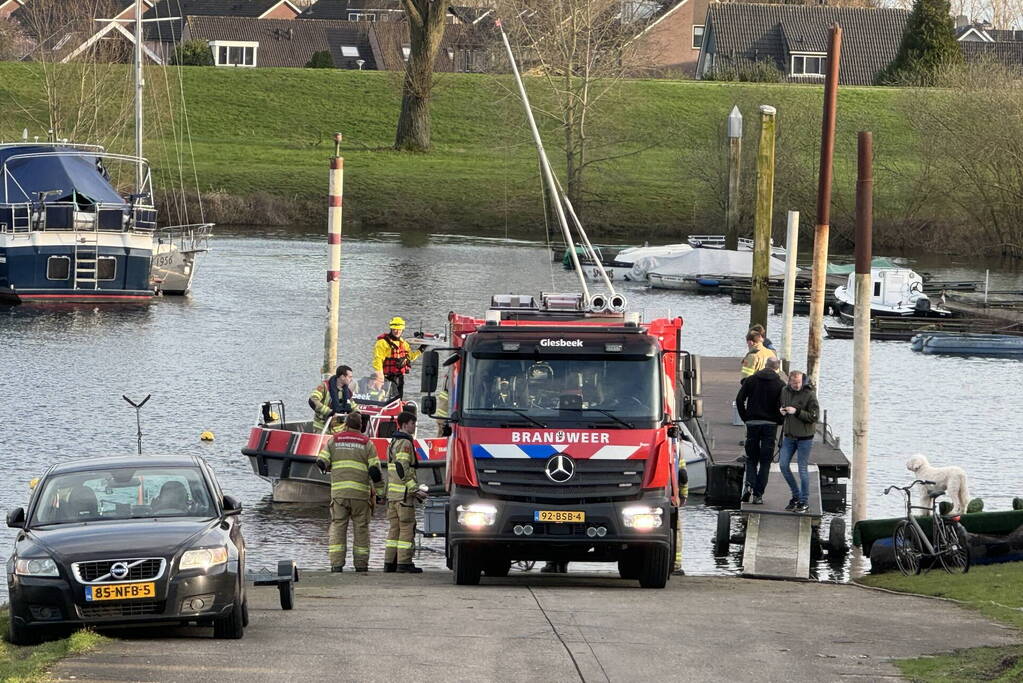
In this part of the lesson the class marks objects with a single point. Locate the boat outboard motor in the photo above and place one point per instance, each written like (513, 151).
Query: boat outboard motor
(617, 303)
(923, 304)
(598, 302)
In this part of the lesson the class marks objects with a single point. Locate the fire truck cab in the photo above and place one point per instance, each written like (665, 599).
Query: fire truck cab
(563, 443)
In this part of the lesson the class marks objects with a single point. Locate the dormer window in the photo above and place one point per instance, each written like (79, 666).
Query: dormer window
(234, 52)
(349, 51)
(811, 64)
(361, 16)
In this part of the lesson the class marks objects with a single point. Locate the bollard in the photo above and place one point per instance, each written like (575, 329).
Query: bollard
(334, 201)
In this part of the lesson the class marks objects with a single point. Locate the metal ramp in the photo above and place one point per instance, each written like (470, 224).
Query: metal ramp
(779, 544)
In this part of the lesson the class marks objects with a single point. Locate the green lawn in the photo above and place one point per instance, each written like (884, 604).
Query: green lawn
(259, 132)
(24, 664)
(993, 590)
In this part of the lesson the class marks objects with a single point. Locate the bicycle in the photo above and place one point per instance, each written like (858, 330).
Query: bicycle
(912, 546)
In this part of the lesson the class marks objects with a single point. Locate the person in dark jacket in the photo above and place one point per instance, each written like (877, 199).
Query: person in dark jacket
(800, 410)
(757, 403)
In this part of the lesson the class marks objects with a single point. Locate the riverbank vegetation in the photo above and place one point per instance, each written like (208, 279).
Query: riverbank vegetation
(993, 590)
(261, 139)
(27, 664)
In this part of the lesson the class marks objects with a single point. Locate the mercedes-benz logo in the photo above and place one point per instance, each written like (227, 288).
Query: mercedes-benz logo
(559, 468)
(119, 570)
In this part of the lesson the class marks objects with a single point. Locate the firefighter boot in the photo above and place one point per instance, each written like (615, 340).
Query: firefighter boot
(409, 569)
(390, 567)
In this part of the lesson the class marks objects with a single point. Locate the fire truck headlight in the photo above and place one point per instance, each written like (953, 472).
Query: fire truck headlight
(642, 518)
(476, 515)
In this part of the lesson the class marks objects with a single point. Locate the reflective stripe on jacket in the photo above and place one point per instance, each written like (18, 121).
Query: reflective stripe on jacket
(350, 457)
(401, 450)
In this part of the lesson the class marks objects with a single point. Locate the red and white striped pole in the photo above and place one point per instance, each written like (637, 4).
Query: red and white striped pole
(337, 172)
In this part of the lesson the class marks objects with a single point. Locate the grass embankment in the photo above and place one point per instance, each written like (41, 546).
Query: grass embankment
(265, 134)
(24, 664)
(993, 590)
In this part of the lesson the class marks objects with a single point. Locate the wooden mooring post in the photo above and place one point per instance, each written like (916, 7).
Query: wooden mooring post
(762, 223)
(734, 171)
(861, 332)
(821, 233)
(789, 297)
(334, 201)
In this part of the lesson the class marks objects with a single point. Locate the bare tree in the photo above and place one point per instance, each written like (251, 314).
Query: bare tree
(581, 50)
(426, 31)
(14, 44)
(88, 99)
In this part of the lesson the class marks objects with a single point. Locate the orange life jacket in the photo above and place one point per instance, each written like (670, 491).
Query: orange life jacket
(397, 363)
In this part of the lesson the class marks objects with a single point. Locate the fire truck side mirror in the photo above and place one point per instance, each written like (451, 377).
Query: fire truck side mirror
(431, 370)
(429, 405)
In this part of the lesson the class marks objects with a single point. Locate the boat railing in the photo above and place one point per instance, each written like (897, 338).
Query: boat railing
(706, 241)
(28, 217)
(191, 237)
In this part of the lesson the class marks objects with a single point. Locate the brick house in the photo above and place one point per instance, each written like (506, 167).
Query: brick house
(669, 44)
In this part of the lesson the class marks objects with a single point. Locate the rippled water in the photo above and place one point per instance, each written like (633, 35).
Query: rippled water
(253, 330)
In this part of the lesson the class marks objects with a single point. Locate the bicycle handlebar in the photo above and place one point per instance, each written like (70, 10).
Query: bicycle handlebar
(925, 482)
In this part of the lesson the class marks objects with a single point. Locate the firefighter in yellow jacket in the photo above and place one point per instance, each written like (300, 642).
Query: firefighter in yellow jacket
(402, 495)
(756, 355)
(392, 356)
(354, 468)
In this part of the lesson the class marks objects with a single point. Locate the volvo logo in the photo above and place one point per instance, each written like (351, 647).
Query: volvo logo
(559, 468)
(119, 570)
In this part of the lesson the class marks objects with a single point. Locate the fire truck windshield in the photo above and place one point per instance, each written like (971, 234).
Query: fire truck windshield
(612, 392)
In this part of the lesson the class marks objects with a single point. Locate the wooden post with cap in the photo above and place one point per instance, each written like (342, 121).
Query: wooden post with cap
(861, 329)
(762, 222)
(334, 201)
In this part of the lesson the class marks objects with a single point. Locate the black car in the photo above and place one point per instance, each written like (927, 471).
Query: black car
(124, 540)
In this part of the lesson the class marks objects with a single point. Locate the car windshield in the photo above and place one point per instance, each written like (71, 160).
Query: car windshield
(123, 493)
(619, 391)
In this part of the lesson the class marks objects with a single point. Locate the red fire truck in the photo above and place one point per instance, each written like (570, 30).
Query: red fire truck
(563, 442)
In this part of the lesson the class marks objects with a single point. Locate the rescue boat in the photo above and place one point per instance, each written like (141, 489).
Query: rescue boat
(284, 453)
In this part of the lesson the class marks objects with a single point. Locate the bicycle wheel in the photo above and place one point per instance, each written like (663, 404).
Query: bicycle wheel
(908, 548)
(955, 548)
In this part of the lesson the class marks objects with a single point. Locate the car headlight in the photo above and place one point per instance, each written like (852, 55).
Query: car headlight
(203, 558)
(642, 518)
(39, 566)
(476, 515)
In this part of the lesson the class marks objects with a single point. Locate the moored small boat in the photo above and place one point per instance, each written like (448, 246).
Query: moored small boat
(965, 344)
(897, 293)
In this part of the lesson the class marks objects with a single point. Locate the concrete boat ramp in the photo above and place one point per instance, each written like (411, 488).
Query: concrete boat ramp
(377, 627)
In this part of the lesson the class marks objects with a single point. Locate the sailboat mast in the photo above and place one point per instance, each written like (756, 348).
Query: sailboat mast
(545, 164)
(138, 96)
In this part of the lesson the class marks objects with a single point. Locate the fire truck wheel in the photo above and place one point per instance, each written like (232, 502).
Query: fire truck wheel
(656, 567)
(630, 565)
(498, 568)
(467, 568)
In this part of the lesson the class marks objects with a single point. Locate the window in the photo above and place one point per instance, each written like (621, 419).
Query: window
(58, 268)
(361, 16)
(697, 37)
(406, 50)
(451, 54)
(106, 268)
(349, 51)
(234, 53)
(808, 65)
(123, 493)
(877, 289)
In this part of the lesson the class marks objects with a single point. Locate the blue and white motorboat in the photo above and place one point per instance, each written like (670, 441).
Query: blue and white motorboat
(66, 233)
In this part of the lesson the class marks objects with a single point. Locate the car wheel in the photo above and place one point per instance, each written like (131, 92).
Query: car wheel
(232, 626)
(467, 569)
(245, 612)
(656, 567)
(21, 635)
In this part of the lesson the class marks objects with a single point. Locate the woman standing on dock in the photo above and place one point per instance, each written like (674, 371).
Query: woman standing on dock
(800, 409)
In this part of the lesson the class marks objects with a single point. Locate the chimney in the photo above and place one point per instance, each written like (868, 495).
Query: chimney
(962, 21)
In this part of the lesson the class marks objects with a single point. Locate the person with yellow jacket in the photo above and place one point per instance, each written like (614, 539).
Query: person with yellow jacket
(756, 355)
(332, 396)
(402, 495)
(351, 458)
(392, 356)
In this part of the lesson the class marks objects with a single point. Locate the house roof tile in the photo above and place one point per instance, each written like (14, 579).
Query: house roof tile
(870, 37)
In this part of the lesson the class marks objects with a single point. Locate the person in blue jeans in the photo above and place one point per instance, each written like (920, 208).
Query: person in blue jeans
(800, 410)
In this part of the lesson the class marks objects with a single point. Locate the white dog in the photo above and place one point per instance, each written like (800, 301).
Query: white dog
(952, 479)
